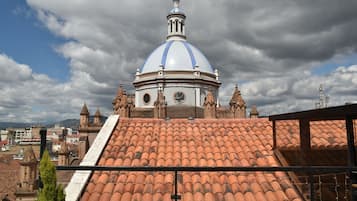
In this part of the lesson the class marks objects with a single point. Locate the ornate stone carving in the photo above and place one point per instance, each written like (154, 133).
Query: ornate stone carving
(237, 104)
(209, 106)
(160, 106)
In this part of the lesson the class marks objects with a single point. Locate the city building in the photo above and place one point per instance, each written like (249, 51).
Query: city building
(72, 139)
(27, 187)
(20, 134)
(4, 135)
(56, 133)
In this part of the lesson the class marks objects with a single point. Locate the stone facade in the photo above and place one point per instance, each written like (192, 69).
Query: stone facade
(123, 104)
(27, 186)
(210, 107)
(237, 104)
(63, 154)
(88, 130)
(254, 112)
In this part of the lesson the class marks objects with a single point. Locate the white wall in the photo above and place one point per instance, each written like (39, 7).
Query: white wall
(191, 91)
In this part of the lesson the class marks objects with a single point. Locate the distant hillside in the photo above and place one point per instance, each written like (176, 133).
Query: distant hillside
(68, 123)
(4, 125)
(72, 123)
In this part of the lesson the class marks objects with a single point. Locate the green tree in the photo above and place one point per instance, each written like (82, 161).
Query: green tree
(50, 190)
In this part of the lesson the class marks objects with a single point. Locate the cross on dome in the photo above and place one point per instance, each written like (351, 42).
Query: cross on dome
(176, 3)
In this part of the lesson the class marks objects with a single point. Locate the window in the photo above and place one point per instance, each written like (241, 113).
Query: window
(146, 98)
(179, 97)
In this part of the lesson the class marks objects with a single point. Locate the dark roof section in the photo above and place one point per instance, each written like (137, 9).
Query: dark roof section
(330, 113)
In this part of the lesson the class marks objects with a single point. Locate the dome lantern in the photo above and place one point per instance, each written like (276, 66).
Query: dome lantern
(176, 23)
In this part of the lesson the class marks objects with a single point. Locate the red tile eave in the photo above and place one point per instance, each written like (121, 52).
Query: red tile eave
(199, 142)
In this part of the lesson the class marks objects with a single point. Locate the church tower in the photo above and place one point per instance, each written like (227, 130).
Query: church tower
(84, 117)
(63, 154)
(26, 189)
(237, 104)
(97, 118)
(254, 112)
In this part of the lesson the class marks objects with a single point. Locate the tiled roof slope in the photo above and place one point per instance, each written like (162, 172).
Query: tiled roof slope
(9, 171)
(178, 142)
(324, 134)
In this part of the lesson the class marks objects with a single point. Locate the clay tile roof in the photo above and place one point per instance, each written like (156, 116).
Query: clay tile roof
(202, 142)
(9, 175)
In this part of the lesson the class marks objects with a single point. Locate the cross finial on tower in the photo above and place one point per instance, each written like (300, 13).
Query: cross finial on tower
(176, 3)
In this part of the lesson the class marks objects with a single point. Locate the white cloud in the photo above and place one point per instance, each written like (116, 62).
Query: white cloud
(299, 92)
(268, 47)
(13, 72)
(30, 97)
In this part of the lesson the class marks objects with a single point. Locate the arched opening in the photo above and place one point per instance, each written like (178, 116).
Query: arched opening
(181, 26)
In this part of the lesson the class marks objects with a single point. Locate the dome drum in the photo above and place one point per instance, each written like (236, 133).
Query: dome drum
(176, 94)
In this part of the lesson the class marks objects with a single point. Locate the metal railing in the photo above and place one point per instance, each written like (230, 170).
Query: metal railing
(308, 170)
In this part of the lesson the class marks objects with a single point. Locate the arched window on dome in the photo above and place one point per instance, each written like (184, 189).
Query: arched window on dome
(176, 21)
(181, 23)
(170, 26)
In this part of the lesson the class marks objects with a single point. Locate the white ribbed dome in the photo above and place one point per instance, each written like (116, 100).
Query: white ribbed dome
(176, 55)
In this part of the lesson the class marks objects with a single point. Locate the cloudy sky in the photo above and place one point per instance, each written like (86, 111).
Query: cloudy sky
(55, 55)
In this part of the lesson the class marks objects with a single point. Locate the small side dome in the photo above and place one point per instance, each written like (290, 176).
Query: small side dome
(176, 55)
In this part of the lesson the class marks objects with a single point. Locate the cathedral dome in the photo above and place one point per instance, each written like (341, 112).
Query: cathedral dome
(176, 55)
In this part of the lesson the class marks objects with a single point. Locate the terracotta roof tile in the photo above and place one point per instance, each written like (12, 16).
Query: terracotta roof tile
(85, 196)
(126, 196)
(94, 196)
(180, 142)
(147, 196)
(105, 197)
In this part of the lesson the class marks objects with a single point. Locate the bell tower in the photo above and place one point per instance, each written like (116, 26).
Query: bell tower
(27, 188)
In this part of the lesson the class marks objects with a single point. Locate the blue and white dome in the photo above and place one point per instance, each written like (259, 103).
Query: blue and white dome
(176, 69)
(176, 55)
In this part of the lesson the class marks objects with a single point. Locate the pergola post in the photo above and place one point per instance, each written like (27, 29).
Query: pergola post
(305, 139)
(274, 135)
